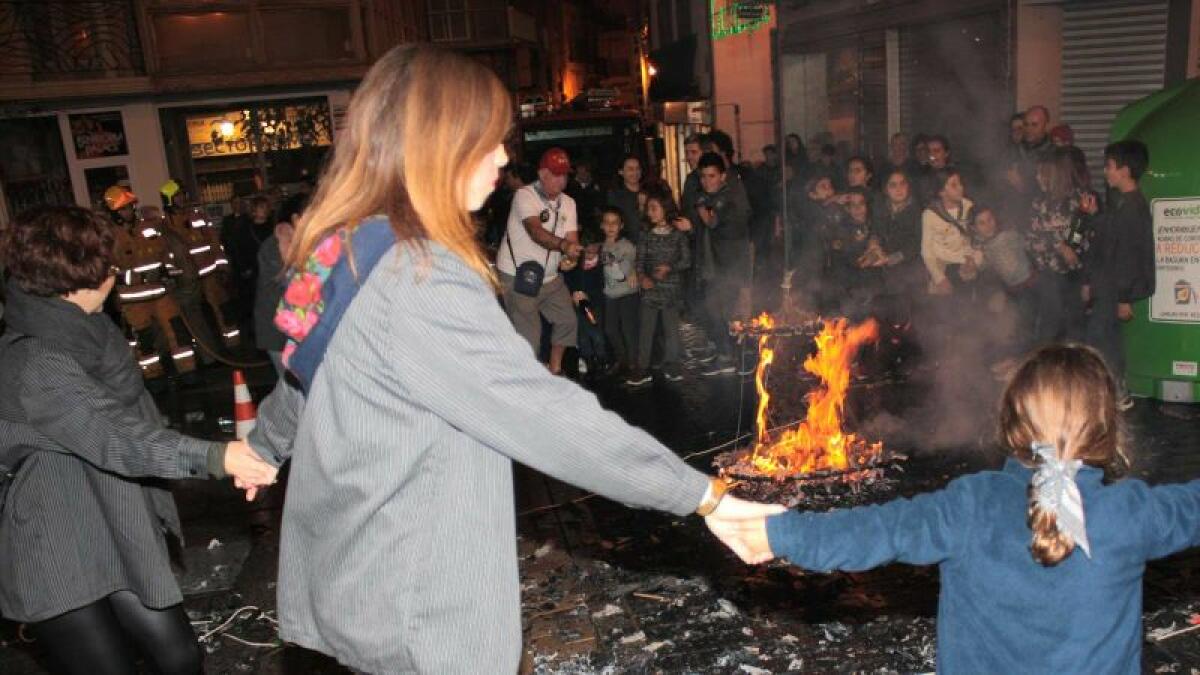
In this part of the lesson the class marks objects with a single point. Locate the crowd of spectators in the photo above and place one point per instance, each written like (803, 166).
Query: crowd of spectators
(1020, 248)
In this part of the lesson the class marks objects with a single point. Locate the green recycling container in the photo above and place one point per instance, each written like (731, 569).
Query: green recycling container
(1162, 342)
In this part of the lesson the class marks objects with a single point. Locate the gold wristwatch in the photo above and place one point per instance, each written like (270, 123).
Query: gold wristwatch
(717, 487)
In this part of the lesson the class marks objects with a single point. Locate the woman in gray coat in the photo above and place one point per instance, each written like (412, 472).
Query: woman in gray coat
(398, 549)
(83, 555)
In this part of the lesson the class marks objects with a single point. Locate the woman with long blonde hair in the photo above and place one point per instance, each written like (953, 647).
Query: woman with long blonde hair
(398, 546)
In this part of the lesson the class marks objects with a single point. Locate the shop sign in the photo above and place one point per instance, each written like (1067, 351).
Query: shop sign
(1177, 260)
(98, 135)
(217, 135)
(224, 134)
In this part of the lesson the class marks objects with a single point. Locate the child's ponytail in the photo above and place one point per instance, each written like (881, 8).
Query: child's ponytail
(1050, 545)
(1058, 413)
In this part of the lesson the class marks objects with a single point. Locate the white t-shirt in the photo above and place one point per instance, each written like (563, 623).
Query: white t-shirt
(559, 218)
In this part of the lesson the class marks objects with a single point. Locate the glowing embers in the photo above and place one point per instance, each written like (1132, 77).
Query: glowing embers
(819, 446)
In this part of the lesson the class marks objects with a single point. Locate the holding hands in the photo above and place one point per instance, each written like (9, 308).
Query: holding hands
(739, 524)
(248, 470)
(742, 526)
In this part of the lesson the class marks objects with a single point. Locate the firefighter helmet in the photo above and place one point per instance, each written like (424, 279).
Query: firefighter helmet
(118, 197)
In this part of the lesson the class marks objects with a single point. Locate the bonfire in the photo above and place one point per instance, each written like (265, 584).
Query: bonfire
(819, 444)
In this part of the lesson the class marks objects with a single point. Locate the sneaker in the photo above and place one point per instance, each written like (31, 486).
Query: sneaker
(672, 373)
(721, 366)
(638, 378)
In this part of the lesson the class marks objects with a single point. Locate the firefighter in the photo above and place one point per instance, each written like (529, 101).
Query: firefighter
(198, 263)
(142, 295)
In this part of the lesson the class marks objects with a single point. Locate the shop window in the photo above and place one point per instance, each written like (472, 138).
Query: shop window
(33, 166)
(462, 20)
(300, 35)
(55, 40)
(209, 41)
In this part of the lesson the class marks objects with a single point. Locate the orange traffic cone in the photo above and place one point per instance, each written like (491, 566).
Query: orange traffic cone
(244, 413)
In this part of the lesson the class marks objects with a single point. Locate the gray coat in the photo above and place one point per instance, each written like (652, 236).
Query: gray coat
(398, 549)
(84, 516)
(268, 290)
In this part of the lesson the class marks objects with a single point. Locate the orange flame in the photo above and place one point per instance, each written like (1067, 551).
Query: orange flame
(819, 443)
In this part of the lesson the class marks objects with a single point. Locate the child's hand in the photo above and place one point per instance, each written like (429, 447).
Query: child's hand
(742, 526)
(647, 283)
(661, 272)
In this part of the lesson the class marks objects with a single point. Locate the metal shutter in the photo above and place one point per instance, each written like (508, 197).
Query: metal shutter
(1113, 54)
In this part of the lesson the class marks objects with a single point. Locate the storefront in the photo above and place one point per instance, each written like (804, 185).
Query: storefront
(855, 77)
(230, 149)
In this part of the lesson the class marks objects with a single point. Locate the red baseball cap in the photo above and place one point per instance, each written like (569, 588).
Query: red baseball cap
(556, 161)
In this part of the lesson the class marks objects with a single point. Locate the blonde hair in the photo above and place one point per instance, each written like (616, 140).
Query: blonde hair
(418, 124)
(1063, 395)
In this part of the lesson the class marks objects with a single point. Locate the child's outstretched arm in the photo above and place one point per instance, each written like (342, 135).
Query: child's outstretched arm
(926, 529)
(1171, 518)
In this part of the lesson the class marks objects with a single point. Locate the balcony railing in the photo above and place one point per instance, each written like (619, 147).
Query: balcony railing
(57, 40)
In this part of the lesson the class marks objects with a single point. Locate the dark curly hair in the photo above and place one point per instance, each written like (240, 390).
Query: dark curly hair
(54, 250)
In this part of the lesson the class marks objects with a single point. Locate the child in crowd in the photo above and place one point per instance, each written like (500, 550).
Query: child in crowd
(663, 253)
(1119, 267)
(585, 280)
(847, 250)
(1006, 263)
(618, 256)
(1041, 562)
(946, 230)
(821, 217)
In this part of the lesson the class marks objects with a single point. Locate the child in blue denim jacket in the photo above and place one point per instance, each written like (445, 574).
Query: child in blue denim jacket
(1041, 562)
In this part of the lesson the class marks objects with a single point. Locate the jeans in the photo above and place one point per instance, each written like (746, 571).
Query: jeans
(1058, 308)
(651, 315)
(621, 327)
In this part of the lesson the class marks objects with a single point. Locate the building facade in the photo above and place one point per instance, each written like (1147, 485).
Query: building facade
(230, 97)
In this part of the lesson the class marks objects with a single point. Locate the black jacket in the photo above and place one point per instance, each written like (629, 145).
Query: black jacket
(1120, 262)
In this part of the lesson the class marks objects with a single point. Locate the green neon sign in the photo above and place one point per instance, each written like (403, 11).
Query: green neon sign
(734, 18)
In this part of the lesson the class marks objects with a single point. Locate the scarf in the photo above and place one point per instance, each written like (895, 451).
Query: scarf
(320, 291)
(93, 340)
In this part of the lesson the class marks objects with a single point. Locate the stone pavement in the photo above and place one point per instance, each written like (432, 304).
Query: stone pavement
(612, 590)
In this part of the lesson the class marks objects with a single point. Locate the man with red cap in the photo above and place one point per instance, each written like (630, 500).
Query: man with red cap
(542, 236)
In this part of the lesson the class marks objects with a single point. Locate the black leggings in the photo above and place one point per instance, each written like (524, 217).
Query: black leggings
(107, 636)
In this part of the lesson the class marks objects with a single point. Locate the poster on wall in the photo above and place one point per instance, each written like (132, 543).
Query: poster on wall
(1177, 260)
(101, 178)
(99, 135)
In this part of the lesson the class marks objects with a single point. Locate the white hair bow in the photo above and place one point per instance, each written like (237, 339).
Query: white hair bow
(1055, 491)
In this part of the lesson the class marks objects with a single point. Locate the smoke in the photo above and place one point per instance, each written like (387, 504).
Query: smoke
(951, 393)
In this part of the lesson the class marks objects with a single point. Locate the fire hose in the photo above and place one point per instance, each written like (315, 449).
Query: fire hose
(208, 349)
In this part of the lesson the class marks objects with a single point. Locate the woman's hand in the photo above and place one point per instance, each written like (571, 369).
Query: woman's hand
(248, 470)
(1088, 203)
(742, 526)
